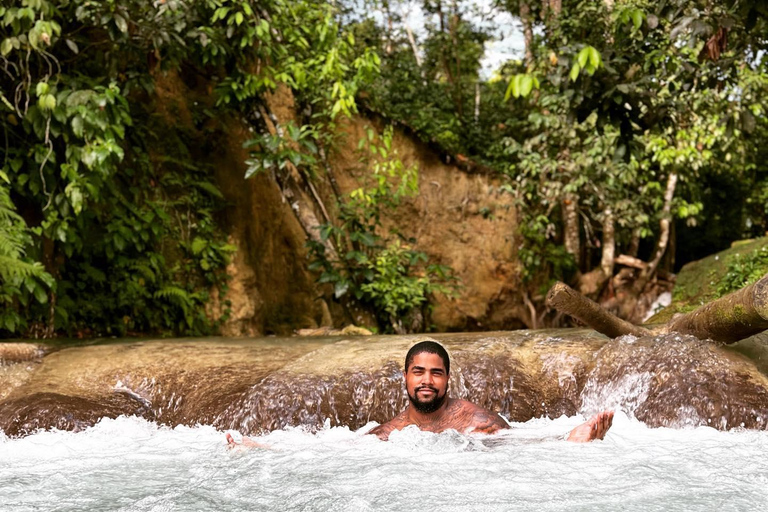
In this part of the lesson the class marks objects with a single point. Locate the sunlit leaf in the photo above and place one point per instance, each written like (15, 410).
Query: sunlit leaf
(574, 74)
(122, 25)
(583, 57)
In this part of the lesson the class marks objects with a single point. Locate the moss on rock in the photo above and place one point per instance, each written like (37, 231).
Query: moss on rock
(702, 281)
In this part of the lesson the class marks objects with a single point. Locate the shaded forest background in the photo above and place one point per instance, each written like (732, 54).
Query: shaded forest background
(191, 167)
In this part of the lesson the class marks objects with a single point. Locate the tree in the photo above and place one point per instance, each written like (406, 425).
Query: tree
(635, 106)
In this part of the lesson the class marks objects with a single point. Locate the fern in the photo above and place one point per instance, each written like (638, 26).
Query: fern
(175, 295)
(13, 269)
(14, 238)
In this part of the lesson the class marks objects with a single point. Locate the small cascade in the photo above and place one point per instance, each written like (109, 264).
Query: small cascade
(261, 385)
(678, 381)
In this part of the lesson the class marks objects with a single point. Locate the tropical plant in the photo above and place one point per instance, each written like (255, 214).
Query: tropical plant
(376, 266)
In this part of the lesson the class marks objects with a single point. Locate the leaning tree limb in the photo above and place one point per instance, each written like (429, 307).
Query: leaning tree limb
(728, 319)
(567, 300)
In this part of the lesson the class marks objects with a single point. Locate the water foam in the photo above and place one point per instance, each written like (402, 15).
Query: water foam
(130, 464)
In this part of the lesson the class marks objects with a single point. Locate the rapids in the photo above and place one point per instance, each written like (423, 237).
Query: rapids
(130, 464)
(139, 425)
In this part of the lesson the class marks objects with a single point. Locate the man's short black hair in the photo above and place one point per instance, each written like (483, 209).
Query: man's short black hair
(431, 347)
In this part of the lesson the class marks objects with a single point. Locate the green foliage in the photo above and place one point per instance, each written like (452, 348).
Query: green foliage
(743, 270)
(588, 60)
(662, 103)
(618, 97)
(521, 85)
(22, 280)
(297, 146)
(437, 98)
(542, 260)
(129, 242)
(128, 236)
(298, 44)
(378, 269)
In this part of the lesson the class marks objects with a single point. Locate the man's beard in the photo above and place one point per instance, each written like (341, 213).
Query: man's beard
(430, 406)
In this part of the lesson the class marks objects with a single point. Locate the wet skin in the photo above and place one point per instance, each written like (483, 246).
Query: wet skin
(426, 381)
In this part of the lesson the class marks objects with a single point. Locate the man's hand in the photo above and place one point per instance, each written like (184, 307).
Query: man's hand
(247, 443)
(595, 428)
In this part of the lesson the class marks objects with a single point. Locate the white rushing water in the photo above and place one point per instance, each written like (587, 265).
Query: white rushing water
(130, 464)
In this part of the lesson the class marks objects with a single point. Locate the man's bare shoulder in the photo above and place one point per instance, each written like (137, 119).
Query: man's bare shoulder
(399, 422)
(478, 419)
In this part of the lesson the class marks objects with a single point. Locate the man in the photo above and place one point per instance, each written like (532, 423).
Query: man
(427, 368)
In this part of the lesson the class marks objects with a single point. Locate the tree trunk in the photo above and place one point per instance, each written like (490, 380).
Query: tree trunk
(609, 243)
(571, 221)
(414, 47)
(661, 247)
(550, 12)
(729, 319)
(525, 18)
(388, 14)
(292, 192)
(453, 28)
(477, 102)
(634, 243)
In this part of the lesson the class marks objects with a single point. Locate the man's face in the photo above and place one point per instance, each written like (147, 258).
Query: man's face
(426, 382)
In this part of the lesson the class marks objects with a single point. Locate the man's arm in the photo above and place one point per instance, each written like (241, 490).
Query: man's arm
(595, 428)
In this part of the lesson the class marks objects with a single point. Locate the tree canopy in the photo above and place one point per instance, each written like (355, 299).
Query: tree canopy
(629, 131)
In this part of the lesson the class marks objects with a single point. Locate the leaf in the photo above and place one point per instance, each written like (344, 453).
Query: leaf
(594, 57)
(510, 90)
(239, 18)
(210, 188)
(72, 46)
(77, 126)
(48, 102)
(637, 18)
(7, 103)
(40, 294)
(6, 46)
(10, 323)
(340, 288)
(368, 239)
(575, 72)
(198, 244)
(75, 196)
(583, 57)
(526, 85)
(122, 25)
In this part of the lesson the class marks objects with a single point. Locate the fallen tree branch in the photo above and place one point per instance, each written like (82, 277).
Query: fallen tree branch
(728, 319)
(564, 298)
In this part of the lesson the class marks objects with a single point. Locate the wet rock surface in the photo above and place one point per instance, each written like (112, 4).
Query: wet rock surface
(269, 383)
